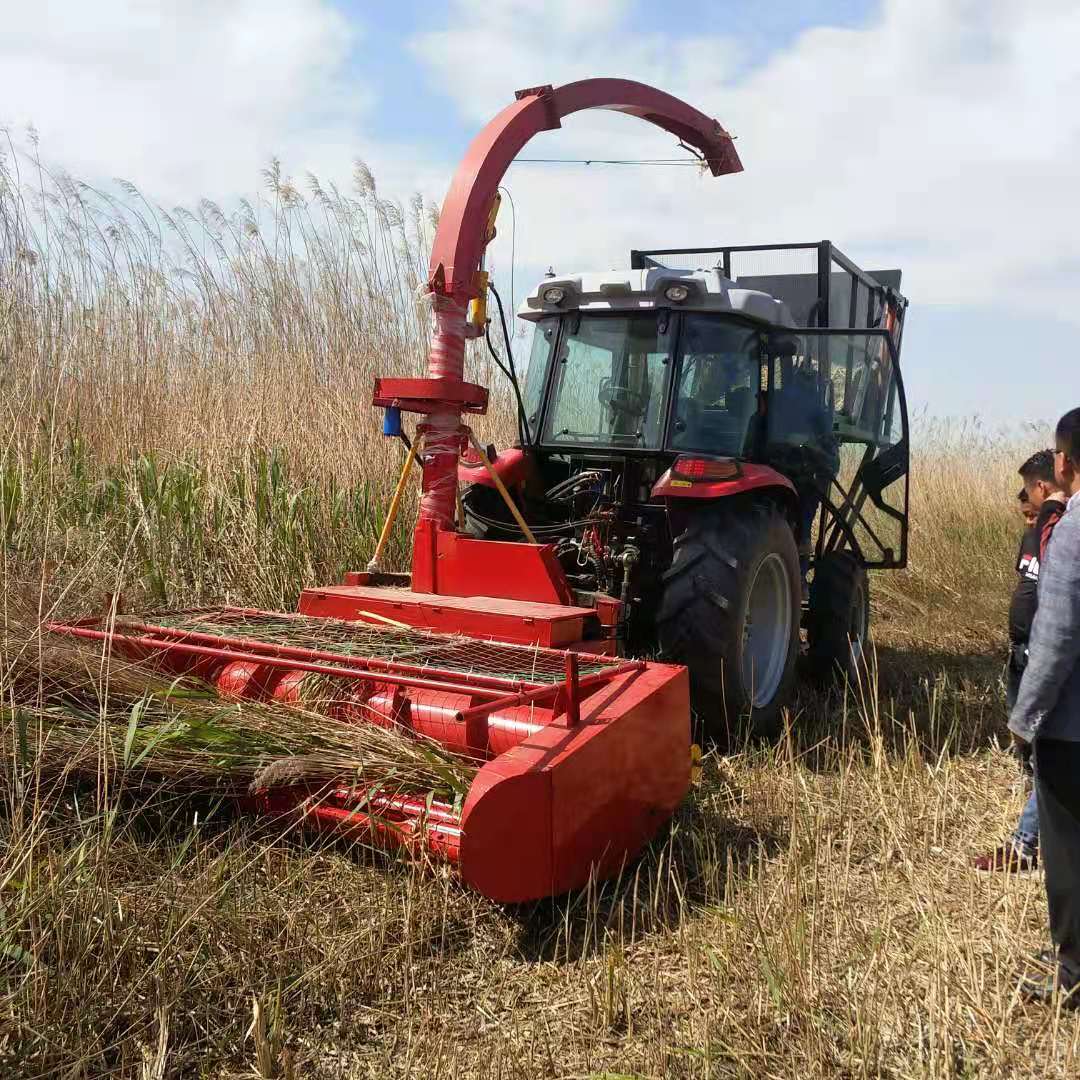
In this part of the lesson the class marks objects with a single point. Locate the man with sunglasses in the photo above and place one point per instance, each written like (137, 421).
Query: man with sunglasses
(1046, 501)
(1046, 718)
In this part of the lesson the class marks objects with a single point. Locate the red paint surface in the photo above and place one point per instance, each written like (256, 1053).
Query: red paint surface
(528, 572)
(419, 395)
(514, 621)
(571, 801)
(512, 466)
(751, 478)
(388, 821)
(442, 434)
(449, 563)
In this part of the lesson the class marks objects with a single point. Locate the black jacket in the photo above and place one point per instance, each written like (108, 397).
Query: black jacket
(1025, 597)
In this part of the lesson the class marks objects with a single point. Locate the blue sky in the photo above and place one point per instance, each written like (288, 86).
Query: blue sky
(413, 107)
(935, 135)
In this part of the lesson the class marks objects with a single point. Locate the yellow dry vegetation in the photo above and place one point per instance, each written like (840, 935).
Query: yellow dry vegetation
(185, 418)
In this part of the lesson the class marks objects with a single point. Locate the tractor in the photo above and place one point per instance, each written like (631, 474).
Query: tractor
(695, 447)
(718, 454)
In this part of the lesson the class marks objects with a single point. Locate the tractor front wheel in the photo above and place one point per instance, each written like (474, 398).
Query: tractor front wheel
(730, 613)
(838, 622)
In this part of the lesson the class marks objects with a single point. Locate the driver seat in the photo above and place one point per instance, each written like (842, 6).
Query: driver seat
(723, 430)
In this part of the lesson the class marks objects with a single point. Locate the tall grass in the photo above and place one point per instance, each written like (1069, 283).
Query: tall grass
(149, 329)
(177, 529)
(186, 393)
(186, 415)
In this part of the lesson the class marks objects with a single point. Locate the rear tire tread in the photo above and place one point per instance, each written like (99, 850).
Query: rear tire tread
(701, 612)
(838, 576)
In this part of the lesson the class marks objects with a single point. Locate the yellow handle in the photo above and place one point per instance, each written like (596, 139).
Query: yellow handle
(395, 503)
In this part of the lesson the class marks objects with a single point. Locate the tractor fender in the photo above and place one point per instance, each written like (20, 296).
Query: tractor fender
(750, 477)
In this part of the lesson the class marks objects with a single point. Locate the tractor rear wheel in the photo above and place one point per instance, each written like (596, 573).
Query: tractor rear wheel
(838, 622)
(730, 612)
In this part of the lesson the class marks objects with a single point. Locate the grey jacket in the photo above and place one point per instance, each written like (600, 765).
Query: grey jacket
(1048, 704)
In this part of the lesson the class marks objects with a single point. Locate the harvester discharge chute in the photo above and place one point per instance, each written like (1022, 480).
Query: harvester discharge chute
(485, 648)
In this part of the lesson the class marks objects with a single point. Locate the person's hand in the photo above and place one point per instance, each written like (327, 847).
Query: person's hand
(1021, 748)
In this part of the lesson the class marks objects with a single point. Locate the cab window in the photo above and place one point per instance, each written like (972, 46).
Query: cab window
(718, 388)
(609, 382)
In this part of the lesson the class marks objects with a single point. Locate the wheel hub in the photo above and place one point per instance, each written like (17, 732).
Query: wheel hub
(766, 633)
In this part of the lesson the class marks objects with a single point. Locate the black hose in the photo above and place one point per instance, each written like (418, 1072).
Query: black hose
(510, 526)
(495, 356)
(523, 420)
(571, 483)
(522, 426)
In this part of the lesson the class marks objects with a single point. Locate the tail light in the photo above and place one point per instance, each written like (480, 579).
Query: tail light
(699, 468)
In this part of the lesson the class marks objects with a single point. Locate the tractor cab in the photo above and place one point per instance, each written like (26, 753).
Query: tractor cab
(745, 384)
(797, 371)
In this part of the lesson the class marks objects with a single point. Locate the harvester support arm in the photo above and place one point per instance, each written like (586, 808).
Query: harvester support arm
(460, 239)
(464, 230)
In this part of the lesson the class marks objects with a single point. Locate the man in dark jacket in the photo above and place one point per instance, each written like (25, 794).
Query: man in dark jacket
(1046, 500)
(1046, 718)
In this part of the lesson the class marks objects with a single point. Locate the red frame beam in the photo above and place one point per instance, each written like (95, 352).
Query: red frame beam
(231, 655)
(500, 693)
(225, 646)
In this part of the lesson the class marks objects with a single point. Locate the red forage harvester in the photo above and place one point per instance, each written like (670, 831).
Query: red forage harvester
(484, 647)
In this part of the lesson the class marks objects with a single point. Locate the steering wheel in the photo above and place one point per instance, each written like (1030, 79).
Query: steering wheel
(810, 458)
(622, 399)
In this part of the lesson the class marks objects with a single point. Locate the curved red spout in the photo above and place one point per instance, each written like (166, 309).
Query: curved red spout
(459, 241)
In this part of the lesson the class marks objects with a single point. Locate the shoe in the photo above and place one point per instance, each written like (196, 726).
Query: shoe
(1007, 859)
(1041, 989)
(1051, 978)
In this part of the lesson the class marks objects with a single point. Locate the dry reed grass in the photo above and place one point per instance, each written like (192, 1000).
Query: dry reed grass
(72, 708)
(183, 426)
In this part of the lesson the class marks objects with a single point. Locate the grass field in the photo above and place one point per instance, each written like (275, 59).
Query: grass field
(185, 419)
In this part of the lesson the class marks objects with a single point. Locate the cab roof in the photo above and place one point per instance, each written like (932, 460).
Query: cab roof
(645, 290)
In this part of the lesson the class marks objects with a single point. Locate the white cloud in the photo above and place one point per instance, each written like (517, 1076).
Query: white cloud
(943, 138)
(523, 43)
(190, 99)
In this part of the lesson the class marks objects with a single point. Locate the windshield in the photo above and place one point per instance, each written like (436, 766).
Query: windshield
(609, 382)
(536, 369)
(719, 382)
